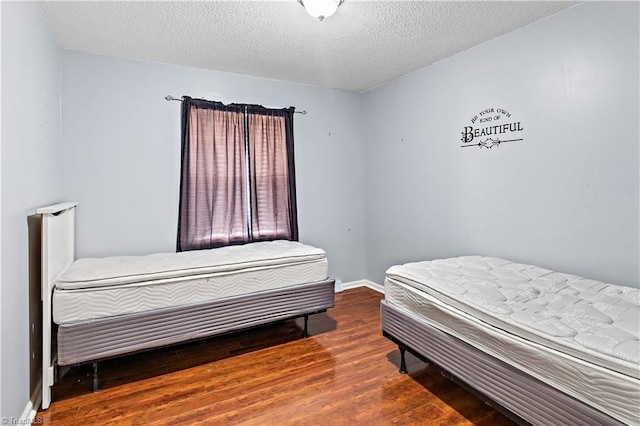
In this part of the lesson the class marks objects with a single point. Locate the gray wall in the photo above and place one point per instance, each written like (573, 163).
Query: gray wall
(30, 160)
(121, 155)
(565, 198)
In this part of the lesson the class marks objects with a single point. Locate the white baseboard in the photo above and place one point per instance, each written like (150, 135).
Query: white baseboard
(363, 283)
(30, 411)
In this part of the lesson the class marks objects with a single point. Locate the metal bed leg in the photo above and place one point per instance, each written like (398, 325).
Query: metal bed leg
(403, 364)
(305, 332)
(95, 377)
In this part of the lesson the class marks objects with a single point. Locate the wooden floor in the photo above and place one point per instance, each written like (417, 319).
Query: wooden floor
(346, 373)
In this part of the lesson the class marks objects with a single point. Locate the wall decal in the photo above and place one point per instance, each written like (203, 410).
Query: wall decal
(493, 126)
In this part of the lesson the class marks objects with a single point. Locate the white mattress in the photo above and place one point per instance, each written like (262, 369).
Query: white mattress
(461, 296)
(591, 320)
(102, 287)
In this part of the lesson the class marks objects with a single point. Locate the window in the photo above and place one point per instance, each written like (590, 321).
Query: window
(238, 175)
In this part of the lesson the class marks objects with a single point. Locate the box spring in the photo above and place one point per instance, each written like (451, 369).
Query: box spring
(109, 337)
(512, 390)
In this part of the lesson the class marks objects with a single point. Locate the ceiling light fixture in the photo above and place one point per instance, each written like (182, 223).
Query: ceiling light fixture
(321, 9)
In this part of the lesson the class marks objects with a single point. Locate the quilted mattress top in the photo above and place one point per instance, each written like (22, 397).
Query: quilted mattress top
(595, 321)
(118, 270)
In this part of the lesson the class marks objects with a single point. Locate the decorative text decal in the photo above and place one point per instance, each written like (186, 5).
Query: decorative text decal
(491, 127)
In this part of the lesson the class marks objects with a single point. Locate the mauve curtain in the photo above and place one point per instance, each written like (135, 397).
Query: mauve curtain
(213, 197)
(238, 175)
(272, 174)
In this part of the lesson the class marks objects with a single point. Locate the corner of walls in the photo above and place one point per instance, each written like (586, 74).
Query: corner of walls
(30, 178)
(369, 174)
(364, 186)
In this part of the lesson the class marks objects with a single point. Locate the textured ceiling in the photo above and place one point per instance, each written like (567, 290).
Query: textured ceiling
(364, 45)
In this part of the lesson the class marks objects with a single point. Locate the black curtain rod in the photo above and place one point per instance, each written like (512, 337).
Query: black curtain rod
(173, 98)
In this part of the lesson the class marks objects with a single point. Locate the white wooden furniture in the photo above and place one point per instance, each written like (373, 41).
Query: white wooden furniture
(58, 242)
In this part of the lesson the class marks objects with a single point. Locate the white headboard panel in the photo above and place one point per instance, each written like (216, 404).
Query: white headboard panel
(58, 251)
(58, 242)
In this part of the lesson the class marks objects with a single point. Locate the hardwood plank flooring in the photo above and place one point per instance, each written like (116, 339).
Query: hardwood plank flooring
(346, 373)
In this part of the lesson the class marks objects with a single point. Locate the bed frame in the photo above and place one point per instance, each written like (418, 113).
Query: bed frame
(518, 395)
(96, 340)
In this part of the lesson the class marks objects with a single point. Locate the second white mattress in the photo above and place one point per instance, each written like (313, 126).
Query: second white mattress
(611, 392)
(591, 320)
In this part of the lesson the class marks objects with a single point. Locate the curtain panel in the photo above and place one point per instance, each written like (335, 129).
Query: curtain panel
(237, 175)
